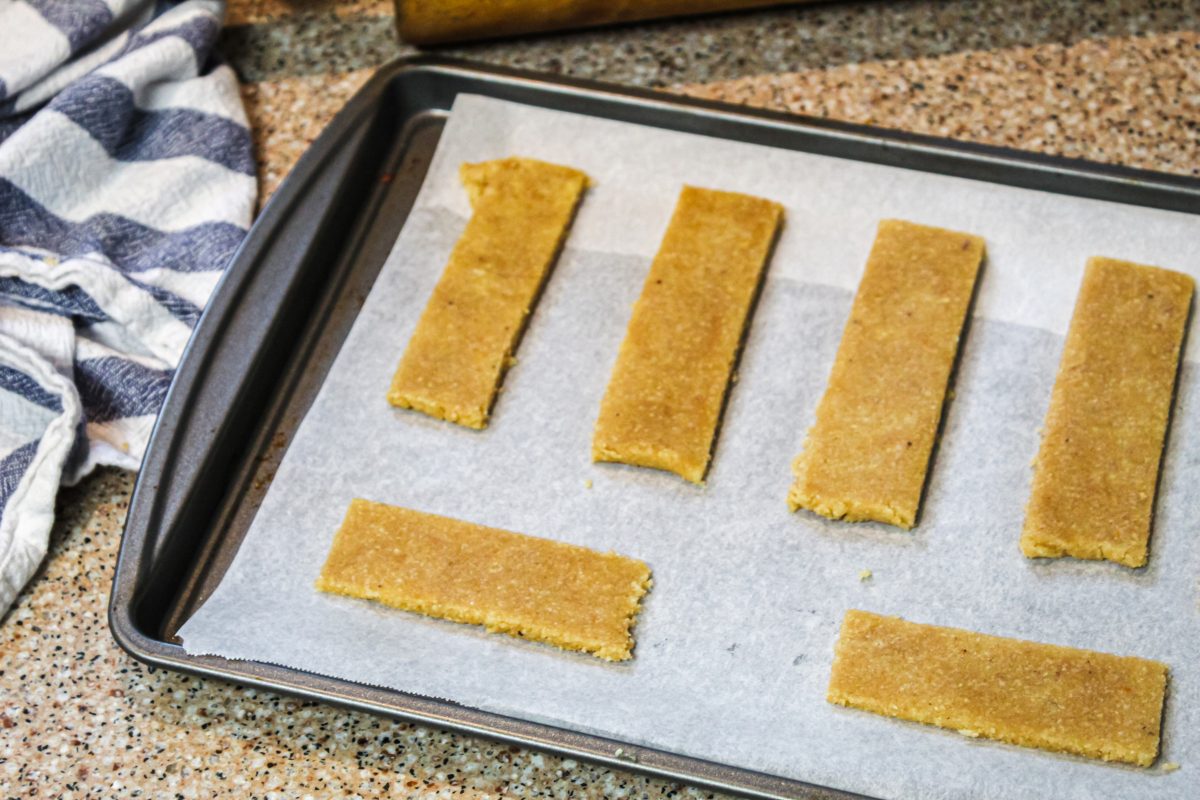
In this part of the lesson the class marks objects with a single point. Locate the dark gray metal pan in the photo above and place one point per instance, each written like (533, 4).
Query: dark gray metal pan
(279, 316)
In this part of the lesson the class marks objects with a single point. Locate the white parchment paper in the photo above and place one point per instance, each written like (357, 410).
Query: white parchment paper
(736, 640)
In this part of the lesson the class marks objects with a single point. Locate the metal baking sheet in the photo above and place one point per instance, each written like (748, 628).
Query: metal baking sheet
(283, 311)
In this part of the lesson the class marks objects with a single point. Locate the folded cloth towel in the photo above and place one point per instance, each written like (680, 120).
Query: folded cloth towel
(126, 184)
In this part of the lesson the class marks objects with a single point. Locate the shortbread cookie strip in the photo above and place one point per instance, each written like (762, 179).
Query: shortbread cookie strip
(667, 390)
(867, 455)
(561, 594)
(1038, 695)
(1096, 473)
(465, 338)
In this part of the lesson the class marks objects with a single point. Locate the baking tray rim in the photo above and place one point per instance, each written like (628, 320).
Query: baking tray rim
(1183, 192)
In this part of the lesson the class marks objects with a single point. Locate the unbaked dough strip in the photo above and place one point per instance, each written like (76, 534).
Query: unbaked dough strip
(1037, 695)
(667, 390)
(561, 594)
(1096, 474)
(463, 343)
(867, 455)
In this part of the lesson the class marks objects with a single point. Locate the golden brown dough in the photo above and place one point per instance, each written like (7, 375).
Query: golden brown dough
(465, 338)
(867, 455)
(667, 390)
(1037, 695)
(561, 594)
(1096, 473)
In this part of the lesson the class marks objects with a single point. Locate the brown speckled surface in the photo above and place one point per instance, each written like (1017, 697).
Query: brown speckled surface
(1116, 81)
(286, 115)
(1128, 100)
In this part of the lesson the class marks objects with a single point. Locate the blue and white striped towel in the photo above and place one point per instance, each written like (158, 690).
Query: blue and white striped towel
(126, 183)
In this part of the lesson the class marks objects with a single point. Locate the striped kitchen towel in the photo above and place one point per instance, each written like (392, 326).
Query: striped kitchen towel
(126, 184)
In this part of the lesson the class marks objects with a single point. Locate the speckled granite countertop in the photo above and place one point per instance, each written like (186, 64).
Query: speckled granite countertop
(1114, 81)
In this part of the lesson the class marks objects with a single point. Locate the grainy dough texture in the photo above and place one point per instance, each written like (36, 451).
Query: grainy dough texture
(664, 399)
(561, 594)
(463, 343)
(1038, 695)
(1096, 473)
(867, 455)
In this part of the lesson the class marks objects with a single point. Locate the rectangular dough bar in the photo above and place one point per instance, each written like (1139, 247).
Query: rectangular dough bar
(1096, 473)
(463, 343)
(867, 455)
(1037, 695)
(561, 594)
(667, 390)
